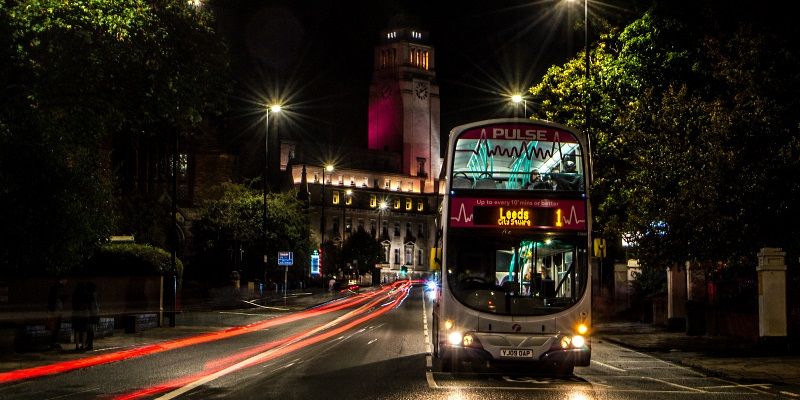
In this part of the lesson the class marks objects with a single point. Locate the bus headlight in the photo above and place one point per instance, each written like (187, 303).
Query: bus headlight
(578, 341)
(455, 338)
(565, 342)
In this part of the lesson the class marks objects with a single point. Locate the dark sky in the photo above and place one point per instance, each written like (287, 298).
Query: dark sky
(317, 56)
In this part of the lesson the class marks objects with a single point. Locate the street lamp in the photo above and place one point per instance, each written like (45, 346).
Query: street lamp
(348, 193)
(275, 108)
(381, 208)
(586, 67)
(329, 168)
(517, 98)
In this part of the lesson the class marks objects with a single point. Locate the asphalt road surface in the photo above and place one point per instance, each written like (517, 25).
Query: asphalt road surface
(370, 346)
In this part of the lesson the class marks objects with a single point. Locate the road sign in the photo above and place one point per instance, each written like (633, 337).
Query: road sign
(285, 258)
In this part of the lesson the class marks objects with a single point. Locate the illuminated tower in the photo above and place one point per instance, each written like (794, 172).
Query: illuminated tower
(404, 104)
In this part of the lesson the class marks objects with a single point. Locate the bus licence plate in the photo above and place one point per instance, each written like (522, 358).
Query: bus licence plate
(521, 353)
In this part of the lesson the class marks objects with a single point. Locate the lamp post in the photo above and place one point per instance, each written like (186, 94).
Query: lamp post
(348, 193)
(381, 209)
(586, 66)
(274, 108)
(516, 99)
(329, 168)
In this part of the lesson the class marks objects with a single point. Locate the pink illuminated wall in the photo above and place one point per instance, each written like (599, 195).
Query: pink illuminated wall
(385, 118)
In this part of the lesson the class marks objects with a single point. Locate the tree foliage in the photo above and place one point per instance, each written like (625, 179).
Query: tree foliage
(695, 131)
(362, 248)
(73, 76)
(229, 234)
(132, 259)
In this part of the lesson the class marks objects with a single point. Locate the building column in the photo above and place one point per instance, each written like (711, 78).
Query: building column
(696, 291)
(771, 293)
(676, 297)
(622, 300)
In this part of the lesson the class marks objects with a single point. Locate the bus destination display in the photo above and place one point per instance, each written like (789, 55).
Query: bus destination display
(518, 213)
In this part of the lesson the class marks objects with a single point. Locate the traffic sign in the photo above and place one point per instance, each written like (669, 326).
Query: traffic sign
(285, 258)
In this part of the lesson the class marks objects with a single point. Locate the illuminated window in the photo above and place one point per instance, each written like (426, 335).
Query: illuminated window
(396, 204)
(373, 201)
(426, 59)
(348, 200)
(420, 206)
(409, 204)
(387, 184)
(409, 256)
(335, 199)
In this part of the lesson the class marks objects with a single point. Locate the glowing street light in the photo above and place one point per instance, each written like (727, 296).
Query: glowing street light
(328, 168)
(348, 193)
(517, 98)
(586, 59)
(275, 108)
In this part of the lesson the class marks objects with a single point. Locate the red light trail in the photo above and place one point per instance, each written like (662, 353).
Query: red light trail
(66, 366)
(275, 349)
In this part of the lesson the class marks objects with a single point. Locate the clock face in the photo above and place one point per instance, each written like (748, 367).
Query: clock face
(421, 90)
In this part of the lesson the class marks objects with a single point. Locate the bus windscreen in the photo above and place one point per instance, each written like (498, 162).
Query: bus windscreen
(518, 157)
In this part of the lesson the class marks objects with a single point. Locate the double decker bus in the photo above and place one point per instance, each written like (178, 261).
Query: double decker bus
(515, 223)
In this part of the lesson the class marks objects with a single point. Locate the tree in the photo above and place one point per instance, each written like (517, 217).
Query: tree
(694, 131)
(229, 234)
(362, 248)
(76, 77)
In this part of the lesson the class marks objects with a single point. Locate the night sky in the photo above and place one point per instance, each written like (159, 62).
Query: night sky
(317, 56)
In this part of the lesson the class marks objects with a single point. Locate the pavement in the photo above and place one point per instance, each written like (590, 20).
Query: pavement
(724, 357)
(715, 356)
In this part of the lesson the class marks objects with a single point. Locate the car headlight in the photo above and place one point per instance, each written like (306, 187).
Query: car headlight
(455, 338)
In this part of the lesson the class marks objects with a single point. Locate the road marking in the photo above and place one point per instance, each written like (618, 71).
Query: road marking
(268, 307)
(372, 341)
(428, 357)
(674, 384)
(608, 366)
(789, 394)
(689, 370)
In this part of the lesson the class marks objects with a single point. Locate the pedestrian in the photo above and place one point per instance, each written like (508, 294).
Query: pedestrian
(94, 314)
(331, 284)
(55, 307)
(80, 315)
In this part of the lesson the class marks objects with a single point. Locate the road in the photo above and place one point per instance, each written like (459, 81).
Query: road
(370, 346)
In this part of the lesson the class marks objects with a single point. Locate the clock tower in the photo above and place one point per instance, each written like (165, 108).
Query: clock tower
(404, 104)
